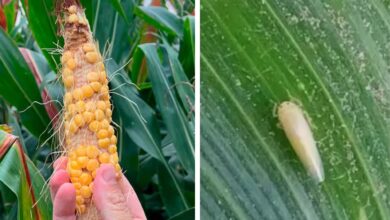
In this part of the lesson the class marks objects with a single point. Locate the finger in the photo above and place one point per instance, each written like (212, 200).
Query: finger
(65, 203)
(108, 196)
(136, 210)
(57, 180)
(60, 163)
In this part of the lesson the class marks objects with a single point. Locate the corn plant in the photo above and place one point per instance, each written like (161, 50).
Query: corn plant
(120, 92)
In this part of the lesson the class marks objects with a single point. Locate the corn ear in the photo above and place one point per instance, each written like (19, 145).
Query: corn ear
(89, 137)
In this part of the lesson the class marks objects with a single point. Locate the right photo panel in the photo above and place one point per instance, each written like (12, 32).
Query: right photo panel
(295, 109)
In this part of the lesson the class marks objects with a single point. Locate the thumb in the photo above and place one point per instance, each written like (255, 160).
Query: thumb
(108, 196)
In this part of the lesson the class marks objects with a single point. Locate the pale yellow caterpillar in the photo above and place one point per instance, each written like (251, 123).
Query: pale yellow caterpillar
(298, 132)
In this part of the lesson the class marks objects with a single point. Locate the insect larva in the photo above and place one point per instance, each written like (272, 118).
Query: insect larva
(299, 134)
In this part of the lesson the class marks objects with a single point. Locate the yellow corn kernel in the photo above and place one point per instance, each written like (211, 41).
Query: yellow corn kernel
(67, 72)
(102, 76)
(87, 91)
(68, 81)
(85, 178)
(69, 113)
(78, 193)
(112, 149)
(79, 200)
(104, 157)
(101, 66)
(72, 9)
(71, 64)
(108, 104)
(80, 208)
(104, 124)
(104, 93)
(82, 161)
(113, 140)
(67, 139)
(66, 56)
(92, 77)
(68, 98)
(92, 164)
(78, 94)
(102, 134)
(104, 143)
(80, 106)
(114, 158)
(108, 113)
(110, 130)
(71, 109)
(90, 106)
(72, 155)
(93, 174)
(73, 18)
(79, 120)
(85, 191)
(88, 47)
(88, 117)
(74, 165)
(81, 151)
(77, 185)
(94, 126)
(74, 179)
(117, 167)
(83, 21)
(75, 173)
(73, 127)
(91, 57)
(92, 151)
(99, 115)
(104, 89)
(96, 86)
(101, 105)
(105, 96)
(68, 117)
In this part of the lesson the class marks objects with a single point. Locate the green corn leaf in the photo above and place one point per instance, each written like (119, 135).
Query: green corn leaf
(41, 15)
(176, 122)
(115, 34)
(140, 125)
(187, 214)
(329, 57)
(187, 47)
(20, 89)
(20, 176)
(183, 86)
(119, 8)
(161, 19)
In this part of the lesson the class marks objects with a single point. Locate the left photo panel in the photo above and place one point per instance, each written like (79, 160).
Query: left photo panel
(97, 109)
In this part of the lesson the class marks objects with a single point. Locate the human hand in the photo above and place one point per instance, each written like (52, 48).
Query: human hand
(114, 199)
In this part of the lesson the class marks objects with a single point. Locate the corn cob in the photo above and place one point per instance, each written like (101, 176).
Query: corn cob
(90, 140)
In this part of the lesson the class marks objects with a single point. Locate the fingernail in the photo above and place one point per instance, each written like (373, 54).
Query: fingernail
(109, 175)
